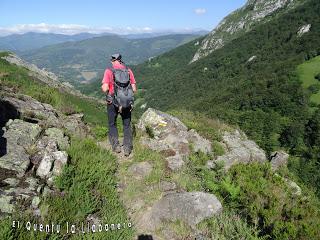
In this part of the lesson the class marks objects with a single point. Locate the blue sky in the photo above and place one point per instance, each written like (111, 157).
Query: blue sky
(72, 16)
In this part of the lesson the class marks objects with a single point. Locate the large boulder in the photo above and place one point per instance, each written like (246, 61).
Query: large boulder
(31, 109)
(168, 134)
(19, 136)
(189, 207)
(239, 149)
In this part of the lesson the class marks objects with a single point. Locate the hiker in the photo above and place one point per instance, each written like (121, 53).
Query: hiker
(119, 85)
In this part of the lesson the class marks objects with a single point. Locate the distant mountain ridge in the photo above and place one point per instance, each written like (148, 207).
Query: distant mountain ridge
(33, 40)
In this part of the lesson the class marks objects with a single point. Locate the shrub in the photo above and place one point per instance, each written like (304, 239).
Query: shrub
(268, 202)
(314, 88)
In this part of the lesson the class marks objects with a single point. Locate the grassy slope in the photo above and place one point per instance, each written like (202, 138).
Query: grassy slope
(88, 183)
(307, 72)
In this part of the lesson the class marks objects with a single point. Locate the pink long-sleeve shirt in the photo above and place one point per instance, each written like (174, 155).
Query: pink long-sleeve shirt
(108, 76)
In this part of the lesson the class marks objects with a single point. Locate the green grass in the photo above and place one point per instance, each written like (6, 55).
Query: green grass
(307, 72)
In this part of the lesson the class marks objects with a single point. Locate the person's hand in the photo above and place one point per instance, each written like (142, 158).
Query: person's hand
(109, 99)
(131, 107)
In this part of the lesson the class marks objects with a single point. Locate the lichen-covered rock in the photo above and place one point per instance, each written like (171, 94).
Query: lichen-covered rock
(168, 134)
(61, 159)
(189, 207)
(74, 124)
(239, 149)
(19, 136)
(175, 162)
(58, 135)
(5, 204)
(31, 109)
(45, 166)
(52, 164)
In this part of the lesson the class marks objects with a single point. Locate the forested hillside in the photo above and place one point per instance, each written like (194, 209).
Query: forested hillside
(251, 82)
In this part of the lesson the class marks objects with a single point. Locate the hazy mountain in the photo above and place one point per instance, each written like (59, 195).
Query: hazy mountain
(83, 61)
(32, 40)
(158, 34)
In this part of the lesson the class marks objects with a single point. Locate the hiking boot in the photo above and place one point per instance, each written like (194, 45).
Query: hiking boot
(116, 149)
(127, 152)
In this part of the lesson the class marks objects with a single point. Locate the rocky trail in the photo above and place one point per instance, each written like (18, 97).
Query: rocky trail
(153, 182)
(150, 178)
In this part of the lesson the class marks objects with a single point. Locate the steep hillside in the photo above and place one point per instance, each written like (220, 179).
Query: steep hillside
(84, 61)
(252, 82)
(254, 12)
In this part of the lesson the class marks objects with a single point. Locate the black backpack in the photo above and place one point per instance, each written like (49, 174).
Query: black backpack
(123, 93)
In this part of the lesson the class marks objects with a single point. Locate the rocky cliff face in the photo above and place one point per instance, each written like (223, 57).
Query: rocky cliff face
(241, 21)
(33, 144)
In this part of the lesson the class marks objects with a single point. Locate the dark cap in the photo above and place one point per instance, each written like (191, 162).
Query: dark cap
(116, 56)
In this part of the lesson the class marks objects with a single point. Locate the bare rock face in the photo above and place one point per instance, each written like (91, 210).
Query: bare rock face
(32, 141)
(30, 109)
(168, 134)
(239, 149)
(189, 207)
(279, 159)
(241, 21)
(304, 29)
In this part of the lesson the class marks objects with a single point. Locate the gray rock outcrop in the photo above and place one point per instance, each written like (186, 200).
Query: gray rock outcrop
(169, 135)
(189, 207)
(239, 149)
(33, 143)
(279, 159)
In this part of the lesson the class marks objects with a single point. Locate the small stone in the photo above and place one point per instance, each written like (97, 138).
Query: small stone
(13, 182)
(61, 159)
(175, 163)
(58, 136)
(5, 205)
(140, 170)
(46, 191)
(167, 186)
(35, 202)
(45, 166)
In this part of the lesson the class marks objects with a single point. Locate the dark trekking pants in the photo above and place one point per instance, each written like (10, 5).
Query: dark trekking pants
(113, 131)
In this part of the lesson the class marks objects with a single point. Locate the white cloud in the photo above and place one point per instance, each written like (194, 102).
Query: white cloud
(69, 29)
(200, 11)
